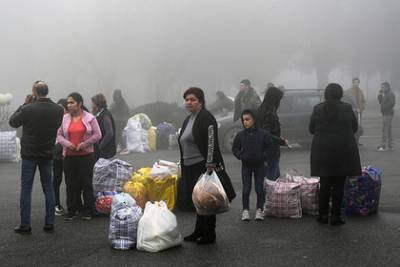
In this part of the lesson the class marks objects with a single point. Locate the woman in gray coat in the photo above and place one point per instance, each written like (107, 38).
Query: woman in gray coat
(334, 151)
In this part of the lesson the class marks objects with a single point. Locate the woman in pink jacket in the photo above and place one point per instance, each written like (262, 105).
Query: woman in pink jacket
(78, 133)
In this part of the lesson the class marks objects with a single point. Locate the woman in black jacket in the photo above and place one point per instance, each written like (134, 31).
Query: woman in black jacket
(268, 120)
(106, 147)
(334, 150)
(195, 159)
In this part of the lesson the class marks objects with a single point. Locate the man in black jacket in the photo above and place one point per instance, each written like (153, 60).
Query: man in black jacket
(40, 120)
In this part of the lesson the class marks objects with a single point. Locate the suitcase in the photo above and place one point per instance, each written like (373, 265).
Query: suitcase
(362, 193)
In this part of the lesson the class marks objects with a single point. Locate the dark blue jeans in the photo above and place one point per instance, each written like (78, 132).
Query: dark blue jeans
(272, 171)
(28, 169)
(247, 174)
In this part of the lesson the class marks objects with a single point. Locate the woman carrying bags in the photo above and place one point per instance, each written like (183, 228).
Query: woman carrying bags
(78, 134)
(193, 145)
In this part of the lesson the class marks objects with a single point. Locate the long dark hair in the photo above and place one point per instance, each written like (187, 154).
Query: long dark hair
(272, 100)
(333, 93)
(79, 99)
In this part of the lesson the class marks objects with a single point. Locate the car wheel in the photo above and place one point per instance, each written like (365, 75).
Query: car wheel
(229, 137)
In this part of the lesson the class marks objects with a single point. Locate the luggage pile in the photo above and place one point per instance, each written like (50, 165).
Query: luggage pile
(154, 184)
(291, 196)
(362, 193)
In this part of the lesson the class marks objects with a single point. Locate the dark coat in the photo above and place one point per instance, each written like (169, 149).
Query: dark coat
(200, 134)
(106, 147)
(40, 121)
(252, 146)
(334, 151)
(245, 100)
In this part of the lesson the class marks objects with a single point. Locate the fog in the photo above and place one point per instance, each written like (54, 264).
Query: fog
(155, 49)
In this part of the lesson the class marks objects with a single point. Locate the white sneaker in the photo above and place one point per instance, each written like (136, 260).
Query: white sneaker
(245, 215)
(259, 215)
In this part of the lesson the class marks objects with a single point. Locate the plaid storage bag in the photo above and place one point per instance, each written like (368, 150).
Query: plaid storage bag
(282, 199)
(9, 146)
(123, 227)
(111, 175)
(309, 190)
(362, 193)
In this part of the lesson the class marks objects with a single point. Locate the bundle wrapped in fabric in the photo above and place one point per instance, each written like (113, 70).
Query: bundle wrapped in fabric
(9, 146)
(362, 193)
(309, 190)
(282, 199)
(158, 228)
(123, 226)
(136, 137)
(144, 120)
(138, 191)
(152, 136)
(120, 201)
(209, 196)
(104, 201)
(111, 175)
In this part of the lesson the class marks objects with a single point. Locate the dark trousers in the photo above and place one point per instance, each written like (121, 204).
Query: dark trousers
(78, 172)
(331, 187)
(58, 169)
(190, 175)
(247, 174)
(205, 225)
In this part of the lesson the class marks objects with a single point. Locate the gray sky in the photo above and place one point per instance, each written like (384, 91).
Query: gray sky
(155, 49)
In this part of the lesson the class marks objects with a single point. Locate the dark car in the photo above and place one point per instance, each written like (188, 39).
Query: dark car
(294, 114)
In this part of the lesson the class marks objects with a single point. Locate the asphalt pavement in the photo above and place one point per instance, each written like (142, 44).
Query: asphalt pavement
(362, 241)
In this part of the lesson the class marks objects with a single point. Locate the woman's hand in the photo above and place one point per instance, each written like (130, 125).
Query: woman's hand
(72, 147)
(80, 147)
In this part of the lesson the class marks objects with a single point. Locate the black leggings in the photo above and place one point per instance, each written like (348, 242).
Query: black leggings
(331, 186)
(57, 178)
(78, 172)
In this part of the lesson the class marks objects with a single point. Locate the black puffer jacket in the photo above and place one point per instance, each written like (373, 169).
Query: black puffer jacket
(252, 146)
(40, 121)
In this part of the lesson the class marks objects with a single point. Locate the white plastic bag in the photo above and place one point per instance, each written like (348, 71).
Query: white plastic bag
(133, 133)
(160, 172)
(209, 196)
(158, 228)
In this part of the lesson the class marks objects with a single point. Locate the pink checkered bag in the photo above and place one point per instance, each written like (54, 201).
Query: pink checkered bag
(309, 189)
(282, 199)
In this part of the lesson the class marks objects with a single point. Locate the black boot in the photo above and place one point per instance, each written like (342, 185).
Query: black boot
(197, 231)
(208, 230)
(323, 218)
(337, 220)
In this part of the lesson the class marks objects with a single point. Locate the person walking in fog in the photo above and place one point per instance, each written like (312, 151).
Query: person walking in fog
(40, 120)
(106, 147)
(357, 96)
(247, 98)
(252, 146)
(78, 134)
(193, 145)
(120, 111)
(334, 151)
(267, 119)
(387, 101)
(58, 167)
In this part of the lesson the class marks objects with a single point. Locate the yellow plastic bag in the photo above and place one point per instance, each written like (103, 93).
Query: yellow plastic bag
(138, 191)
(162, 189)
(152, 136)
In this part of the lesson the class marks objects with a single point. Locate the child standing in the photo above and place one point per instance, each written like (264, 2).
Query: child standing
(251, 146)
